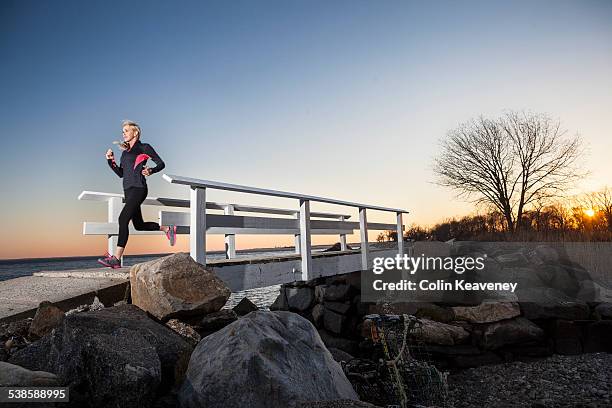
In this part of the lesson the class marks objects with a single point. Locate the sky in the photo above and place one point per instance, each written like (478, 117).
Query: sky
(343, 99)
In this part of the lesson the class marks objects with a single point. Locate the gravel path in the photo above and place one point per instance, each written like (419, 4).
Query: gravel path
(558, 381)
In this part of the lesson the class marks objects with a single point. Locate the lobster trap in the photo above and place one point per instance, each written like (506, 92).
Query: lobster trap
(400, 373)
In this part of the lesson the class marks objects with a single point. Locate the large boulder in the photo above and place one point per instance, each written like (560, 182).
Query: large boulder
(279, 359)
(433, 332)
(300, 298)
(176, 286)
(334, 322)
(548, 303)
(117, 356)
(506, 332)
(487, 312)
(15, 376)
(337, 292)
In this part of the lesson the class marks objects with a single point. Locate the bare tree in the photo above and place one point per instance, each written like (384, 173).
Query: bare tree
(510, 162)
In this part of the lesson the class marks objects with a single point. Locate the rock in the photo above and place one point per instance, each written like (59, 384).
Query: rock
(544, 254)
(96, 305)
(281, 358)
(563, 278)
(15, 376)
(599, 337)
(334, 322)
(47, 317)
(548, 303)
(591, 291)
(337, 307)
(514, 331)
(121, 369)
(118, 356)
(511, 259)
(216, 321)
(340, 355)
(487, 312)
(567, 337)
(299, 299)
(281, 301)
(351, 279)
(175, 286)
(434, 312)
(245, 306)
(335, 404)
(336, 292)
(527, 277)
(440, 333)
(319, 292)
(317, 315)
(185, 330)
(604, 311)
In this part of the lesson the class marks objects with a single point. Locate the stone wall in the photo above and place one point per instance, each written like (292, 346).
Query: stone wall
(454, 336)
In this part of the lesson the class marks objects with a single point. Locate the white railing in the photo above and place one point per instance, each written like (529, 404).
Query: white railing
(302, 223)
(198, 219)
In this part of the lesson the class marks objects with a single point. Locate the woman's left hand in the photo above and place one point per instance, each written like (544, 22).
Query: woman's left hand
(146, 171)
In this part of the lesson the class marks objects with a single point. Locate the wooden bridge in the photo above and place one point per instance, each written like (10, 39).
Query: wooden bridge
(247, 273)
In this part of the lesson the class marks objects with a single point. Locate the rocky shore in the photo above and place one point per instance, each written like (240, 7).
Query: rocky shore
(558, 381)
(170, 344)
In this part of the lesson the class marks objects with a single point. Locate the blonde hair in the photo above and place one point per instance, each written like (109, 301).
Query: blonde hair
(132, 124)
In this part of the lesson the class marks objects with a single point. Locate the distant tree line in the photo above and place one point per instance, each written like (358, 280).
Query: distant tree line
(584, 218)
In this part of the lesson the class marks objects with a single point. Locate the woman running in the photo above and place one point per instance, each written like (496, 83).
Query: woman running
(132, 168)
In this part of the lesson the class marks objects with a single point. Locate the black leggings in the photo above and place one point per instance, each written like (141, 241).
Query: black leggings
(134, 196)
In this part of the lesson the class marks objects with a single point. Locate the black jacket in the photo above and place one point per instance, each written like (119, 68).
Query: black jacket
(132, 163)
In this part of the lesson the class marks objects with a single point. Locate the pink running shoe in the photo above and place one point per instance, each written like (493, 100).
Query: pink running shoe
(110, 261)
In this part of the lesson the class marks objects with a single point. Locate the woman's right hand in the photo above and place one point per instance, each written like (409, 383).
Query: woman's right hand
(109, 154)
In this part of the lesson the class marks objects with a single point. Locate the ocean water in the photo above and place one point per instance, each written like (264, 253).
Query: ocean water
(10, 269)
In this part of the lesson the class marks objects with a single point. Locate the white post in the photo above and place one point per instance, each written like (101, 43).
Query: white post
(363, 229)
(343, 246)
(197, 229)
(400, 234)
(305, 246)
(230, 239)
(114, 209)
(296, 237)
